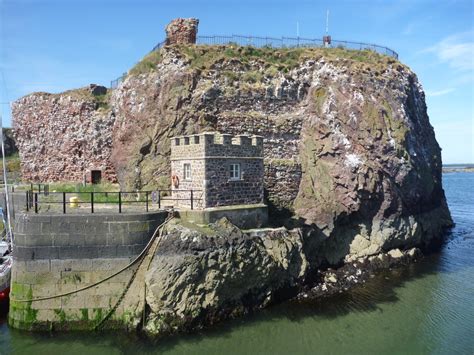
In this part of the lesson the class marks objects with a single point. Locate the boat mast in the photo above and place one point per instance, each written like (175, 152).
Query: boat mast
(7, 199)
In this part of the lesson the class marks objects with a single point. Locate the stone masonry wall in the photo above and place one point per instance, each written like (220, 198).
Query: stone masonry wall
(278, 122)
(54, 254)
(182, 31)
(222, 191)
(183, 193)
(62, 137)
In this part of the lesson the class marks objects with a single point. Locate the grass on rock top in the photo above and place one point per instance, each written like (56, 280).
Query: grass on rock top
(275, 60)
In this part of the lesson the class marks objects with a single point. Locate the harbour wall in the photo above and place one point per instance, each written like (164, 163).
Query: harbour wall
(57, 254)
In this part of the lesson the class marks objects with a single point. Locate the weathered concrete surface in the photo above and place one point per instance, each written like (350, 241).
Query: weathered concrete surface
(242, 216)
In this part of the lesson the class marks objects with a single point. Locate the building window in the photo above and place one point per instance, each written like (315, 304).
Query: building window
(235, 171)
(187, 171)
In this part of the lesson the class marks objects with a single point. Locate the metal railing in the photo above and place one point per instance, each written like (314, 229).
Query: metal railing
(108, 202)
(275, 42)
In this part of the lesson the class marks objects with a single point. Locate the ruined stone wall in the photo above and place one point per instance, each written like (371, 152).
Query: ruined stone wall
(62, 137)
(182, 31)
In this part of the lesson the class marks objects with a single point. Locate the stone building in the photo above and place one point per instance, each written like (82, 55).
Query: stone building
(221, 169)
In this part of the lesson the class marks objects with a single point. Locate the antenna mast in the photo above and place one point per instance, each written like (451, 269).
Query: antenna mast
(327, 22)
(327, 37)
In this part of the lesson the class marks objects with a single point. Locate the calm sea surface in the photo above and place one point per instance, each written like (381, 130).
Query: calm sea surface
(424, 308)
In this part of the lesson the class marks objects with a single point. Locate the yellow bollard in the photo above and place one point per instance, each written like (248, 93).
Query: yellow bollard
(74, 201)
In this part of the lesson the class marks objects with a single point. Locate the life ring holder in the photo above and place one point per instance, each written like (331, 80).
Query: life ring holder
(175, 181)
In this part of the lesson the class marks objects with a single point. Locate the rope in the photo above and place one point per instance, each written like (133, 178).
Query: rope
(144, 282)
(132, 278)
(138, 258)
(122, 296)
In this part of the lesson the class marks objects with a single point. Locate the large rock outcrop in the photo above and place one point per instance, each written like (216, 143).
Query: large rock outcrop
(350, 156)
(349, 151)
(199, 276)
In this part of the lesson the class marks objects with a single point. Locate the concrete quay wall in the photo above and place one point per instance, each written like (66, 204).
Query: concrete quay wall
(55, 254)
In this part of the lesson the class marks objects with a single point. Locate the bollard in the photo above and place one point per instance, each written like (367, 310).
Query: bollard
(92, 202)
(36, 202)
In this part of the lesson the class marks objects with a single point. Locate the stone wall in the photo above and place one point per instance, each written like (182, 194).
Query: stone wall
(279, 122)
(54, 254)
(62, 137)
(222, 191)
(210, 156)
(182, 31)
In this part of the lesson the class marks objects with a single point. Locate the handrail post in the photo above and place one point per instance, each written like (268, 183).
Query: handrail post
(192, 199)
(36, 202)
(146, 197)
(27, 200)
(120, 201)
(64, 202)
(92, 202)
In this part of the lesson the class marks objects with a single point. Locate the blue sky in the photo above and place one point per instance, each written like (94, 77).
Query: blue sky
(53, 46)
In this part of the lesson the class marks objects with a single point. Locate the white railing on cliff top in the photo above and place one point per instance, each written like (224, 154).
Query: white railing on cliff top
(283, 42)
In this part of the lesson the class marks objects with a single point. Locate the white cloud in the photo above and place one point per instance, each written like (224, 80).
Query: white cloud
(438, 92)
(456, 50)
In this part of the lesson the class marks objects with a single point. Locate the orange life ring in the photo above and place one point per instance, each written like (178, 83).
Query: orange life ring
(175, 181)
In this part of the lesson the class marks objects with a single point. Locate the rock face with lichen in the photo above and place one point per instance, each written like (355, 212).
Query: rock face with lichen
(349, 150)
(199, 276)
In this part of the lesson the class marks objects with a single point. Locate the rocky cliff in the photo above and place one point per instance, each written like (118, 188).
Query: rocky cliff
(349, 150)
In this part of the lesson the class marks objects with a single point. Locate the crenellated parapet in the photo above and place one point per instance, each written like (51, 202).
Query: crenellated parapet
(213, 144)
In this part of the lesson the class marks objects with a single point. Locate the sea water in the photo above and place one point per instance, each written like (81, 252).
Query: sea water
(423, 308)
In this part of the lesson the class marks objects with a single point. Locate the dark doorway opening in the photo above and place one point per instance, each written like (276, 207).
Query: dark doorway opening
(96, 176)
